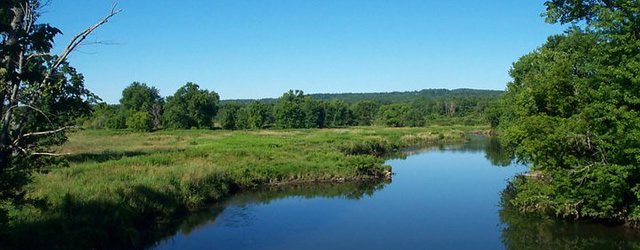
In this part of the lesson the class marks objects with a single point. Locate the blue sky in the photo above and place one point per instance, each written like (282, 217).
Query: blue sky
(262, 48)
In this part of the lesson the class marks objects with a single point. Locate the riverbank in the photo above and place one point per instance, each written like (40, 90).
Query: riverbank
(119, 184)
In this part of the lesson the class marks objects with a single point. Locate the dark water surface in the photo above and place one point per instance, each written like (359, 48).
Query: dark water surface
(440, 198)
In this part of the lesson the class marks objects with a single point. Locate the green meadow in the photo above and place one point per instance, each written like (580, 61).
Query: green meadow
(118, 184)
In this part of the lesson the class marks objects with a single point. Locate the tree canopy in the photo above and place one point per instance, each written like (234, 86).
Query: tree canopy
(137, 98)
(41, 94)
(191, 107)
(574, 113)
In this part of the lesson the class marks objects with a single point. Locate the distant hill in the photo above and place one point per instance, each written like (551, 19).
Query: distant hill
(391, 97)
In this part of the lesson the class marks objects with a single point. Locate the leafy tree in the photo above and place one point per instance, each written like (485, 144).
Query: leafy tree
(574, 114)
(288, 110)
(242, 118)
(138, 97)
(139, 121)
(394, 115)
(295, 110)
(364, 112)
(338, 114)
(228, 116)
(41, 95)
(314, 113)
(107, 116)
(259, 115)
(191, 107)
(417, 115)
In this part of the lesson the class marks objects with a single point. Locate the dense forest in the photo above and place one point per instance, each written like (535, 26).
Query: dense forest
(388, 97)
(141, 108)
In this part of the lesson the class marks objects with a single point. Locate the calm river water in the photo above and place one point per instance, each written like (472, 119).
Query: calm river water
(445, 197)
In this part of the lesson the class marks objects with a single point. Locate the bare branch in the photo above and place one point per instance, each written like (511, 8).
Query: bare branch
(34, 108)
(49, 154)
(25, 151)
(100, 43)
(55, 131)
(77, 40)
(36, 55)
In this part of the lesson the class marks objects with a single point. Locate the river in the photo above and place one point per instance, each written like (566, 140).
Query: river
(446, 197)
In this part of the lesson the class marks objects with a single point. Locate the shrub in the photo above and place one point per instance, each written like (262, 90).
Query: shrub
(139, 121)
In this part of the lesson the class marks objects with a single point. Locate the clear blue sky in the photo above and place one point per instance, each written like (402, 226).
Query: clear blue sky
(262, 48)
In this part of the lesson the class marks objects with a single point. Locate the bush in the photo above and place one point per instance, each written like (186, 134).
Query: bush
(139, 121)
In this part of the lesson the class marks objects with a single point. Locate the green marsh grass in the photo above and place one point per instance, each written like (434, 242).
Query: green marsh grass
(123, 189)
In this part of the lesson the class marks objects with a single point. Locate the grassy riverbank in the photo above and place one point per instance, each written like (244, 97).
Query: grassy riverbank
(119, 184)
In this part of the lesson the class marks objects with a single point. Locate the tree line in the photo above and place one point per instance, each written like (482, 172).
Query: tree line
(141, 108)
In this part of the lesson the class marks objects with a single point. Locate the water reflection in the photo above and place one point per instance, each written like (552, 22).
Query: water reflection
(490, 146)
(239, 209)
(448, 196)
(531, 232)
(496, 153)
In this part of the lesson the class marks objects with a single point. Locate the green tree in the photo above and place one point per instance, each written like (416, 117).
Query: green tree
(260, 115)
(228, 116)
(288, 110)
(138, 97)
(40, 93)
(574, 114)
(394, 115)
(295, 110)
(242, 118)
(364, 112)
(191, 107)
(314, 113)
(416, 116)
(338, 114)
(107, 116)
(139, 121)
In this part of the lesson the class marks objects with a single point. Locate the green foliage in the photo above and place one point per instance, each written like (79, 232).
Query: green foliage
(107, 116)
(364, 112)
(260, 115)
(337, 114)
(191, 107)
(139, 97)
(371, 146)
(439, 106)
(574, 114)
(519, 231)
(139, 121)
(40, 94)
(436, 95)
(228, 116)
(395, 115)
(119, 187)
(136, 98)
(295, 110)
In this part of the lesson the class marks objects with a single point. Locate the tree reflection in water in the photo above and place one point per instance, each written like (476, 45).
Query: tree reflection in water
(521, 231)
(238, 208)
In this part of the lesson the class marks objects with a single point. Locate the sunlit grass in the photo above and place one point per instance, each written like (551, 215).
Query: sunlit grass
(119, 180)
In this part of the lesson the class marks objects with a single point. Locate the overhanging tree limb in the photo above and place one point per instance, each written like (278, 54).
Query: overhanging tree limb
(77, 40)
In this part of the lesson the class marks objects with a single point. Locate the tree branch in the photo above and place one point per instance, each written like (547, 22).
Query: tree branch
(48, 132)
(36, 55)
(49, 154)
(34, 108)
(77, 40)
